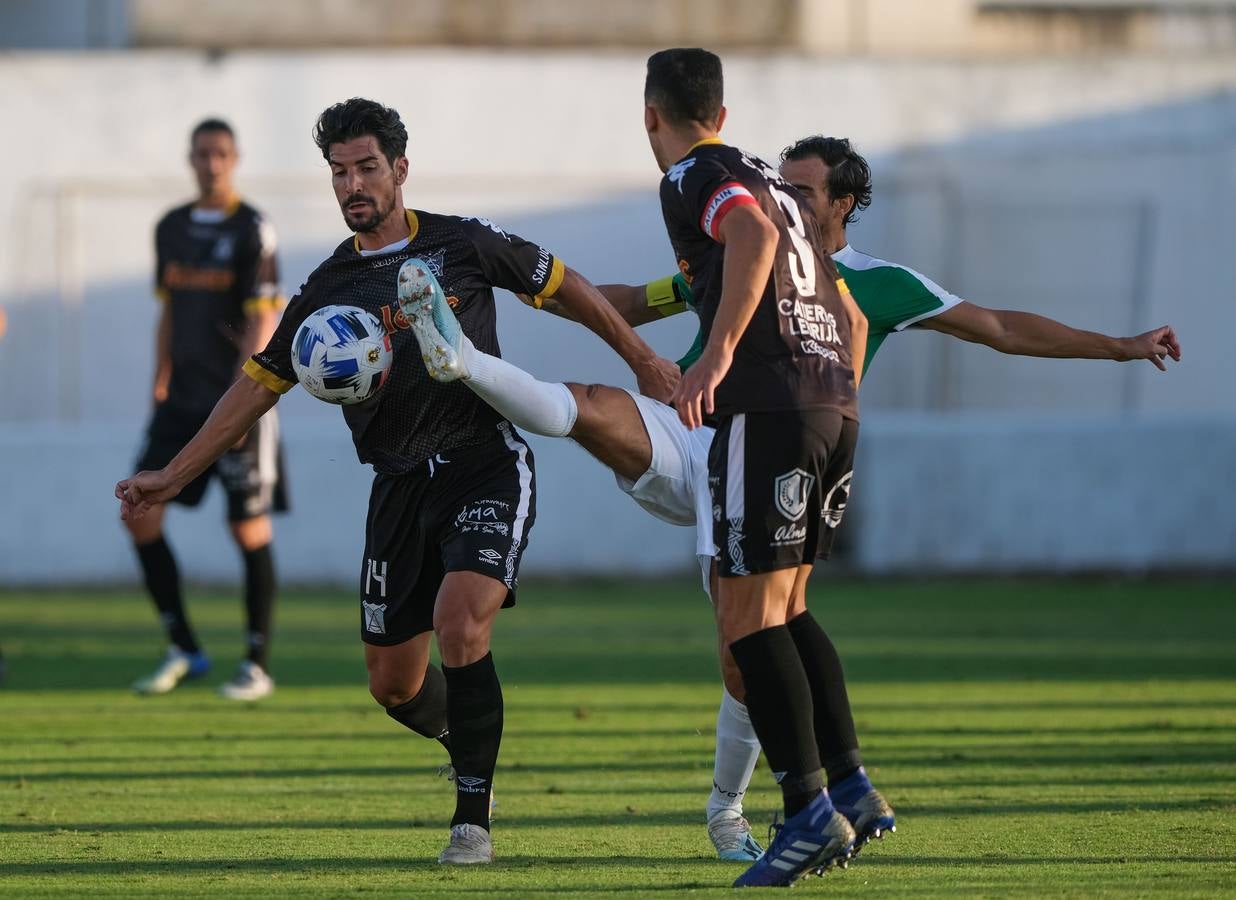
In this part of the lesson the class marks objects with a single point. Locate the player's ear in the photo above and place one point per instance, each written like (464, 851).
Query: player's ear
(651, 119)
(720, 120)
(401, 170)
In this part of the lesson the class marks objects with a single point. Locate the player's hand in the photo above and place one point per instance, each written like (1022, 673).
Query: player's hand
(658, 378)
(1154, 345)
(141, 491)
(694, 394)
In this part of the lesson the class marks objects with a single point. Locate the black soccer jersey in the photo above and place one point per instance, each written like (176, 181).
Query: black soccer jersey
(212, 269)
(413, 417)
(795, 353)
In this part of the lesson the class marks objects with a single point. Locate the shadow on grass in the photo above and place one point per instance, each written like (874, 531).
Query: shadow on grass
(603, 820)
(434, 875)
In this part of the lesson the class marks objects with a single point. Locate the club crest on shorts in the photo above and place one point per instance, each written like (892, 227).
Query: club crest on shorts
(835, 502)
(791, 491)
(375, 617)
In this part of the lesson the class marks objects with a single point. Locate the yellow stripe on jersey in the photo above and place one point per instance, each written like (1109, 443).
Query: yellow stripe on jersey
(707, 140)
(414, 225)
(267, 378)
(257, 305)
(556, 274)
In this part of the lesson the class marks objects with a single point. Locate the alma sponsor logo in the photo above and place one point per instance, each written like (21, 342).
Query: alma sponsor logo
(789, 534)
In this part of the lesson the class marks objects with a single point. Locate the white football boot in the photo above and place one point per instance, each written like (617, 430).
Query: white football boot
(176, 667)
(424, 305)
(249, 683)
(470, 845)
(731, 835)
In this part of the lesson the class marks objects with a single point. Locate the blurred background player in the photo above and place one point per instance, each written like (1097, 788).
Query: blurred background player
(453, 496)
(217, 278)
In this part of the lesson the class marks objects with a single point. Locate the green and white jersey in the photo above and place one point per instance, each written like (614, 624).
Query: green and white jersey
(892, 297)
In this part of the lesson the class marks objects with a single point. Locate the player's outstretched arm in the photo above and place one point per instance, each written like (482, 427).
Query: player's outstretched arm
(638, 304)
(1028, 334)
(236, 412)
(750, 241)
(655, 376)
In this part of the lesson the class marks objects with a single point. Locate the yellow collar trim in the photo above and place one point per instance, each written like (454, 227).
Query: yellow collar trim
(414, 226)
(707, 140)
(229, 210)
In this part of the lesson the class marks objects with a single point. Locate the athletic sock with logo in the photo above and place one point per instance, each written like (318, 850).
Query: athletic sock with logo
(779, 703)
(834, 723)
(163, 582)
(474, 716)
(259, 602)
(537, 406)
(737, 751)
(426, 712)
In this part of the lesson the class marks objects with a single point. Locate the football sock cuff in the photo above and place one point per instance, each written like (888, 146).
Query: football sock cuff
(540, 407)
(426, 712)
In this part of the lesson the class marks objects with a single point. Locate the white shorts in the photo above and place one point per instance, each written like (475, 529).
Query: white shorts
(675, 487)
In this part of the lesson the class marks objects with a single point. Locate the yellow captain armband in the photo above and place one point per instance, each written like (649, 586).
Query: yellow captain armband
(843, 288)
(663, 297)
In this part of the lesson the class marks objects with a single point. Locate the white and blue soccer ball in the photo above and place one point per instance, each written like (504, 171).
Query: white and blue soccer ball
(341, 354)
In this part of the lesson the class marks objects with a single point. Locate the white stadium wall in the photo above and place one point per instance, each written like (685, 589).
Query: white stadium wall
(1098, 192)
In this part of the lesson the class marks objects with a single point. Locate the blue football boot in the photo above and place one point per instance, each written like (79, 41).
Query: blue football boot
(813, 839)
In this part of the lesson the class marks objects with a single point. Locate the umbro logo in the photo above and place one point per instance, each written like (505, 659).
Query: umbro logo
(470, 784)
(490, 556)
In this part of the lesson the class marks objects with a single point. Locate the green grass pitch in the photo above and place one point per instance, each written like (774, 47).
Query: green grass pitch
(1037, 738)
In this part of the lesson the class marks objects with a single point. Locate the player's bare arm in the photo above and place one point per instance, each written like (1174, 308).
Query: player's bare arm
(655, 376)
(858, 333)
(638, 304)
(1028, 334)
(237, 411)
(751, 241)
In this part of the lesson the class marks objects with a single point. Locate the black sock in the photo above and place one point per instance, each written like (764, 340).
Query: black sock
(474, 715)
(779, 703)
(163, 582)
(259, 601)
(426, 712)
(834, 723)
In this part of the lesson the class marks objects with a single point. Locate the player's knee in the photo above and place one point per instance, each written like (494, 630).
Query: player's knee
(388, 693)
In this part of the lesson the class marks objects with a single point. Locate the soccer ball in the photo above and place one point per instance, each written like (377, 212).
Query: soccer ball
(341, 354)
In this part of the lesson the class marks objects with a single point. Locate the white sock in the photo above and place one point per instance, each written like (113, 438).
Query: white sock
(536, 406)
(737, 751)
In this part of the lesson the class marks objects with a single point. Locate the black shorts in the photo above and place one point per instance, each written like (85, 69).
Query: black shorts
(251, 474)
(466, 510)
(780, 482)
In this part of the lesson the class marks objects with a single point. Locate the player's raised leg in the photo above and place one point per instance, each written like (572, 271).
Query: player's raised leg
(604, 420)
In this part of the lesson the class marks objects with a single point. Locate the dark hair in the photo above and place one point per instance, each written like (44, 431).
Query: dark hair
(357, 118)
(848, 175)
(685, 85)
(207, 125)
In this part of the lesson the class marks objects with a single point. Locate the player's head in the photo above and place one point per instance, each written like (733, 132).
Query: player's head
(213, 157)
(831, 175)
(682, 100)
(364, 142)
